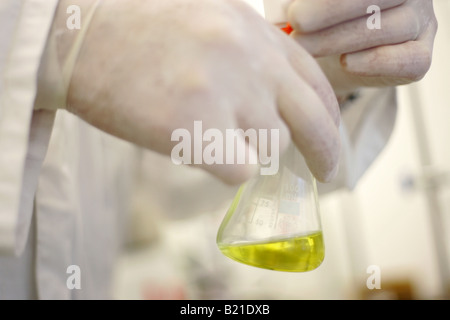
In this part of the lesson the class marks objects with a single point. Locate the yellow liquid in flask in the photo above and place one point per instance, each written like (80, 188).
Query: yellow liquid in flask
(296, 254)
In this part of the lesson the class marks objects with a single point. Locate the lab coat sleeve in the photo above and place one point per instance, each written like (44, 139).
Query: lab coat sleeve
(367, 124)
(24, 133)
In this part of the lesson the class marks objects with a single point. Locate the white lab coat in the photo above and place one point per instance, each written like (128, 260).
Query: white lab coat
(46, 214)
(71, 208)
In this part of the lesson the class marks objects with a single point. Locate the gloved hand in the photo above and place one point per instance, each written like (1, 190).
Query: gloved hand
(353, 55)
(146, 68)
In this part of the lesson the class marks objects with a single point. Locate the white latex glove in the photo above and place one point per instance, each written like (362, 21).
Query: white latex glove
(146, 68)
(352, 55)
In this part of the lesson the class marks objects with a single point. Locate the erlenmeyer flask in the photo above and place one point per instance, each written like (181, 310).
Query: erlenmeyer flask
(274, 221)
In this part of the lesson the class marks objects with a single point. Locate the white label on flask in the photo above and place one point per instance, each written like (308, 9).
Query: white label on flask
(289, 207)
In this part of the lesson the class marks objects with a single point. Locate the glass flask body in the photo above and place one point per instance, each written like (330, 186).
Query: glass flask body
(274, 221)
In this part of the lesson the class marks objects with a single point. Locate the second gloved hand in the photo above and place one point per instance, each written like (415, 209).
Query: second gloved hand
(354, 55)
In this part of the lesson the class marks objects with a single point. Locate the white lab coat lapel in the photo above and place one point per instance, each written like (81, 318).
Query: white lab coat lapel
(28, 23)
(80, 203)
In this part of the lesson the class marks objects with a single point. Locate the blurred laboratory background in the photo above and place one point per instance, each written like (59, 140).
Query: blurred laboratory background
(396, 221)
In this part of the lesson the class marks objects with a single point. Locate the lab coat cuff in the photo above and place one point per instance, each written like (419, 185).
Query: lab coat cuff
(367, 125)
(54, 75)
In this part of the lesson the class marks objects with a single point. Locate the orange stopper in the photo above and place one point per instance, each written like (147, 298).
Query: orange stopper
(288, 29)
